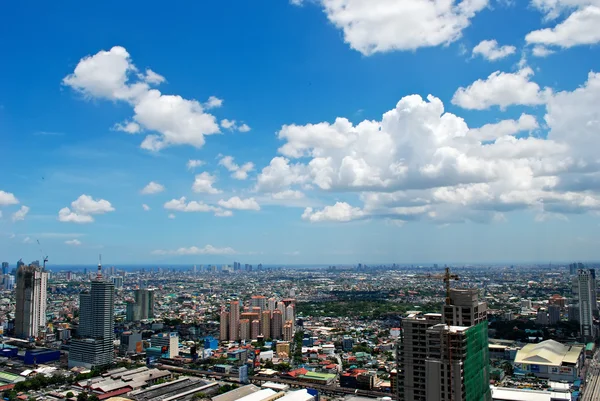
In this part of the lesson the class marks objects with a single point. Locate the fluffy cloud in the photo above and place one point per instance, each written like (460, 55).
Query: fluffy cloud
(237, 172)
(240, 204)
(580, 28)
(203, 183)
(288, 194)
(505, 127)
(7, 199)
(83, 209)
(192, 164)
(420, 163)
(213, 102)
(232, 125)
(386, 25)
(145, 207)
(177, 121)
(128, 126)
(73, 242)
(20, 214)
(553, 8)
(541, 51)
(340, 212)
(194, 250)
(490, 50)
(501, 89)
(152, 188)
(181, 205)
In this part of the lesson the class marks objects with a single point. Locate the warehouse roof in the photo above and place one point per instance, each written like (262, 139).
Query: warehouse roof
(549, 353)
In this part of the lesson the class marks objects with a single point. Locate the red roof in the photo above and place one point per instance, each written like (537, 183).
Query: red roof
(114, 393)
(297, 372)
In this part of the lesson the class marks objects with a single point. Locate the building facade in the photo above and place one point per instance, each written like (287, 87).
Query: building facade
(31, 298)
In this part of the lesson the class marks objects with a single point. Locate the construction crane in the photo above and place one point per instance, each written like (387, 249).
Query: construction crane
(44, 258)
(447, 277)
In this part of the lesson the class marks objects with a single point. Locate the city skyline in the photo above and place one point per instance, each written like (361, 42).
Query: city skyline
(299, 132)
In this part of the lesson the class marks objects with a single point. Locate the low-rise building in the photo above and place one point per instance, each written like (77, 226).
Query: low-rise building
(551, 360)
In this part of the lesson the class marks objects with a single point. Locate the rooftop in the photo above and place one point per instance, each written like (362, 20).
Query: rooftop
(549, 353)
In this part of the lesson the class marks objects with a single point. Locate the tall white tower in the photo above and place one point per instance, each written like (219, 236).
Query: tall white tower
(586, 285)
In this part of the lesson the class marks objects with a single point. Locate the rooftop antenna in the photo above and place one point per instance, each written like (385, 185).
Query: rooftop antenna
(99, 276)
(44, 258)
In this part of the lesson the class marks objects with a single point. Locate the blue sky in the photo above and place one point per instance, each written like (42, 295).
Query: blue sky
(323, 131)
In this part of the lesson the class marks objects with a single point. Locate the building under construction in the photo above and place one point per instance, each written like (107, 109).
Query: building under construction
(444, 357)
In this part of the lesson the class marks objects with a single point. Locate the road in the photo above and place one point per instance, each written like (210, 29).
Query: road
(591, 391)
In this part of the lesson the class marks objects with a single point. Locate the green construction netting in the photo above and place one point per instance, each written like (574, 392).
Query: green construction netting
(476, 364)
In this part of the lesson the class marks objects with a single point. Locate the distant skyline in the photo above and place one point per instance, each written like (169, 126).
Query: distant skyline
(300, 132)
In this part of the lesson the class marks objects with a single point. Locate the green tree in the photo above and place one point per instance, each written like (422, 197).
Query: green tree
(82, 397)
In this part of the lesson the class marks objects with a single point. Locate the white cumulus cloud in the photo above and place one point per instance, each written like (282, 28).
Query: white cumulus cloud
(83, 208)
(192, 164)
(237, 172)
(182, 205)
(386, 25)
(340, 212)
(73, 242)
(7, 199)
(580, 28)
(490, 50)
(145, 207)
(152, 188)
(20, 214)
(240, 204)
(175, 120)
(203, 183)
(501, 89)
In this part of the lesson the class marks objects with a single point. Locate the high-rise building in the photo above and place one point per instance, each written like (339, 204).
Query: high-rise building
(541, 317)
(224, 327)
(234, 320)
(254, 329)
(445, 356)
(276, 324)
(586, 289)
(244, 329)
(265, 324)
(94, 345)
(290, 314)
(412, 355)
(168, 342)
(117, 281)
(271, 304)
(144, 300)
(288, 331)
(553, 314)
(31, 297)
(259, 301)
(5, 268)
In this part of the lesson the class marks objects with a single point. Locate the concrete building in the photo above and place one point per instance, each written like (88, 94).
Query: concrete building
(131, 343)
(553, 314)
(271, 303)
(224, 326)
(542, 317)
(445, 356)
(168, 342)
(94, 345)
(259, 301)
(586, 292)
(465, 309)
(244, 329)
(551, 360)
(118, 282)
(234, 320)
(290, 313)
(276, 324)
(412, 354)
(31, 298)
(144, 303)
(265, 324)
(288, 331)
(254, 329)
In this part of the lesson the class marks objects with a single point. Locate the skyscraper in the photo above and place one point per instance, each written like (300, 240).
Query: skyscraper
(265, 324)
(259, 301)
(4, 268)
(445, 356)
(586, 288)
(234, 320)
(254, 329)
(244, 329)
(224, 327)
(94, 345)
(31, 297)
(144, 300)
(276, 324)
